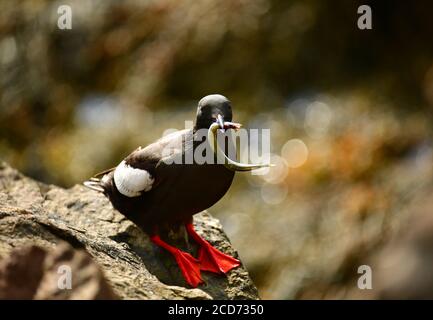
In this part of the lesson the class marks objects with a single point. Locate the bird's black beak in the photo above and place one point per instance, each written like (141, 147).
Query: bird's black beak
(220, 121)
(223, 125)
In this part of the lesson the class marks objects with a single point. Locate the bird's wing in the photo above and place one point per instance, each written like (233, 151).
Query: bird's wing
(141, 170)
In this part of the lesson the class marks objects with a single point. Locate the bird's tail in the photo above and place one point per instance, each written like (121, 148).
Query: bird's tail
(94, 182)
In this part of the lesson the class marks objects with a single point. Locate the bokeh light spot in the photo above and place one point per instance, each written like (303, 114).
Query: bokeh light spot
(295, 153)
(273, 194)
(278, 173)
(317, 119)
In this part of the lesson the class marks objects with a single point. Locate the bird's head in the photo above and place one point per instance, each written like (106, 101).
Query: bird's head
(213, 108)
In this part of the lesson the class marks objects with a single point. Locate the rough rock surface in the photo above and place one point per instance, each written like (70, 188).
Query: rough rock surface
(32, 213)
(32, 272)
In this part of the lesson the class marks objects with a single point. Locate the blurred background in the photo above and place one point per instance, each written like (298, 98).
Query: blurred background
(350, 113)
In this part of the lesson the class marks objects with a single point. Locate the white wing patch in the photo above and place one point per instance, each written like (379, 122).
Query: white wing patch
(132, 181)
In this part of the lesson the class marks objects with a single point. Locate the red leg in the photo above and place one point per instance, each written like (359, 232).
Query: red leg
(212, 259)
(189, 265)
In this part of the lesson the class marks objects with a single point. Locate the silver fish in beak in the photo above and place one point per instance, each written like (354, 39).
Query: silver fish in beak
(229, 163)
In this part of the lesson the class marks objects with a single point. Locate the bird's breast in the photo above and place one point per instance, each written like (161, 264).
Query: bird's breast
(195, 189)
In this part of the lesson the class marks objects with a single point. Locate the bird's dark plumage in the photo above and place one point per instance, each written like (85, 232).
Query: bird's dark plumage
(177, 191)
(147, 188)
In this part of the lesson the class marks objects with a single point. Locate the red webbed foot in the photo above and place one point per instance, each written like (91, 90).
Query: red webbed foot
(189, 266)
(212, 259)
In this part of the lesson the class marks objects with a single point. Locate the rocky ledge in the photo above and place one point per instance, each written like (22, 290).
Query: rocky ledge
(44, 227)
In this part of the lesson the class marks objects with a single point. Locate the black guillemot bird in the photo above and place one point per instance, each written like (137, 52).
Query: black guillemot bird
(151, 189)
